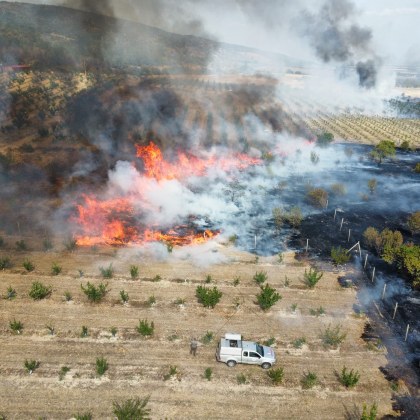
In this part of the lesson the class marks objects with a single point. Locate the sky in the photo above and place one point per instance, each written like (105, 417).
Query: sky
(270, 24)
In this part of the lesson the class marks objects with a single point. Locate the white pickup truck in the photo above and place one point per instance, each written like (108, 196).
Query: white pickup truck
(232, 350)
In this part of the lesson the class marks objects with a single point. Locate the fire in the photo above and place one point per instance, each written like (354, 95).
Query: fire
(188, 165)
(118, 221)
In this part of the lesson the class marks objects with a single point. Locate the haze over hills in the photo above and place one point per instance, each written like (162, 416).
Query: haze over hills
(63, 38)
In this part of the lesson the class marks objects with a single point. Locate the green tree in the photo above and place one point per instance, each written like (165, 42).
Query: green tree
(383, 150)
(324, 139)
(413, 222)
(208, 297)
(312, 277)
(268, 297)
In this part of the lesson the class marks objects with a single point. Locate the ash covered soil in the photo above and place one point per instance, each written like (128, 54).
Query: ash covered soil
(137, 365)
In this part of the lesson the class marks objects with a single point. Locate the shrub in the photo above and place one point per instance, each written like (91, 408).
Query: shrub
(39, 291)
(85, 332)
(417, 168)
(207, 337)
(267, 297)
(21, 245)
(70, 244)
(276, 375)
(372, 184)
(299, 342)
(208, 279)
(413, 222)
(151, 301)
(113, 331)
(132, 409)
(107, 272)
(369, 413)
(95, 293)
(16, 326)
(338, 189)
(47, 245)
(405, 145)
(309, 380)
(209, 298)
(101, 365)
(179, 301)
(390, 244)
(11, 293)
(372, 238)
(324, 139)
(349, 378)
(208, 373)
(145, 329)
(31, 365)
(241, 379)
(260, 277)
(56, 269)
(169, 247)
(332, 336)
(408, 263)
(63, 372)
(278, 217)
(294, 217)
(318, 311)
(384, 149)
(236, 281)
(134, 272)
(28, 265)
(339, 255)
(317, 197)
(84, 416)
(5, 263)
(312, 277)
(123, 296)
(51, 329)
(314, 158)
(269, 342)
(157, 278)
(173, 370)
(2, 242)
(68, 296)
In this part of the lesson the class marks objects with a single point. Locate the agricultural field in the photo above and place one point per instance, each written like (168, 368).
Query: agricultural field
(164, 293)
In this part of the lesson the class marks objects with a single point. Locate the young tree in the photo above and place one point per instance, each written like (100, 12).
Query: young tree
(132, 409)
(413, 222)
(384, 149)
(267, 297)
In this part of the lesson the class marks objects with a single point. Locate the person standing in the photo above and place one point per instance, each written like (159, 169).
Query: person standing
(193, 346)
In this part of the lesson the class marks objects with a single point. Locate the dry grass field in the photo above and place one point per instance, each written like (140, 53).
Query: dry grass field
(137, 365)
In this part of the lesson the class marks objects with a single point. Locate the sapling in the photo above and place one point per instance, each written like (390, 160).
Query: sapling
(16, 326)
(276, 375)
(132, 409)
(208, 373)
(31, 365)
(101, 366)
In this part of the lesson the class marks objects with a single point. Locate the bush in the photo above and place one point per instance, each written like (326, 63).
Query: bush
(47, 245)
(5, 263)
(390, 244)
(124, 296)
(241, 379)
(314, 158)
(372, 238)
(145, 329)
(408, 263)
(276, 375)
(156, 278)
(267, 297)
(417, 168)
(39, 291)
(95, 293)
(208, 373)
(173, 370)
(332, 336)
(11, 293)
(372, 184)
(349, 378)
(31, 365)
(278, 217)
(299, 342)
(208, 279)
(151, 301)
(84, 416)
(2, 242)
(413, 222)
(21, 245)
(68, 296)
(56, 269)
(294, 217)
(70, 244)
(101, 365)
(134, 272)
(132, 409)
(16, 326)
(405, 145)
(113, 331)
(339, 255)
(324, 139)
(369, 413)
(28, 265)
(338, 189)
(317, 197)
(207, 337)
(85, 332)
(107, 272)
(63, 372)
(384, 149)
(209, 298)
(260, 277)
(312, 277)
(269, 342)
(236, 281)
(317, 312)
(309, 380)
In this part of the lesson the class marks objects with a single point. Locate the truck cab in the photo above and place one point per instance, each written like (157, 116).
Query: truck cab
(232, 350)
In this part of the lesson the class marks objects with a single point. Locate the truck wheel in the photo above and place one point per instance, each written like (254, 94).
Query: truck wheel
(266, 365)
(231, 363)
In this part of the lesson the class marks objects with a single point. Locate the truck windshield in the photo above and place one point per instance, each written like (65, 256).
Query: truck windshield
(260, 350)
